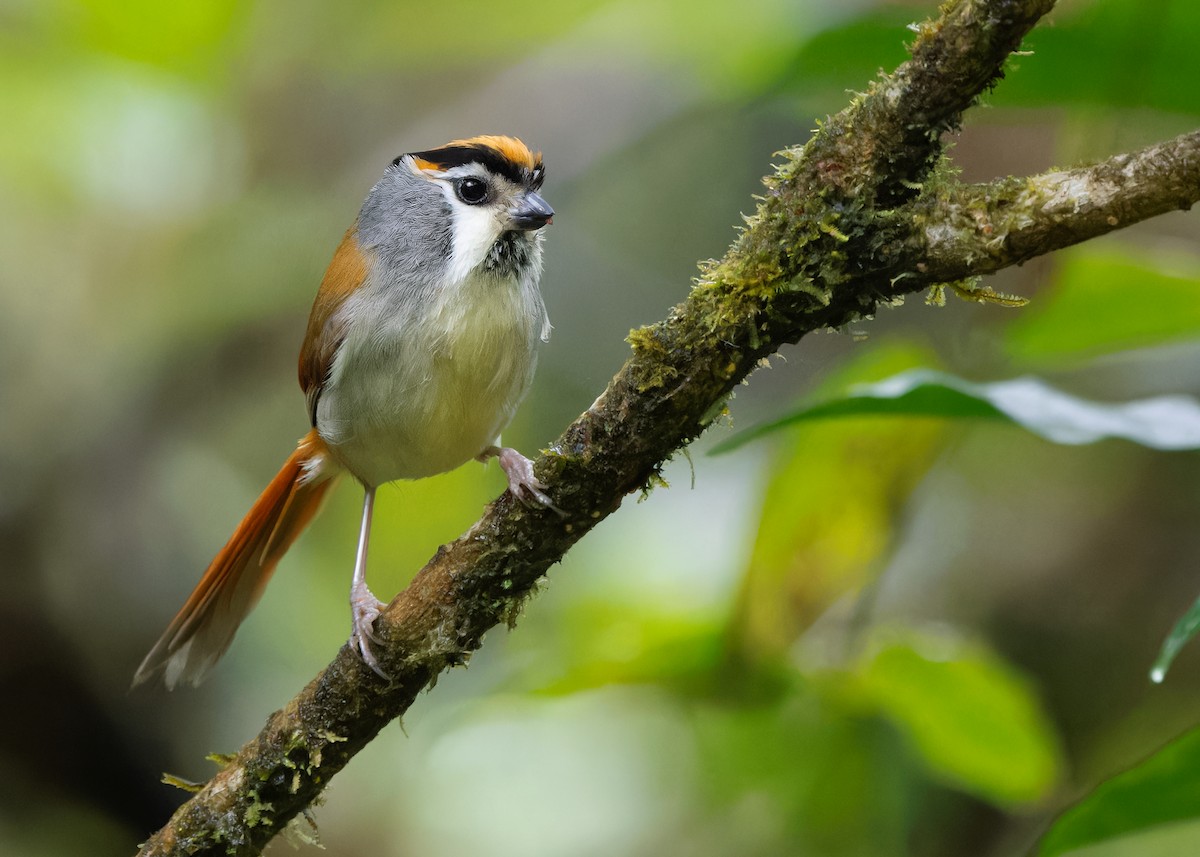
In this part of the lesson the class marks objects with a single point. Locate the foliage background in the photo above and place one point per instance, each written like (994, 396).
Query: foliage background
(861, 637)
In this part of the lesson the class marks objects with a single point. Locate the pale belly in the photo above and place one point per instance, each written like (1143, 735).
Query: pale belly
(410, 398)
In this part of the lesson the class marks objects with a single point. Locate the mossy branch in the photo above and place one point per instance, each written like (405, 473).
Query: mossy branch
(969, 230)
(850, 219)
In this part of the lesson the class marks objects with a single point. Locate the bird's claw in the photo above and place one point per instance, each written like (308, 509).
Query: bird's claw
(522, 484)
(364, 610)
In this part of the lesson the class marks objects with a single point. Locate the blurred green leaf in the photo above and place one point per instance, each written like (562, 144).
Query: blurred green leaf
(1183, 631)
(1163, 789)
(654, 648)
(848, 57)
(1109, 301)
(1168, 840)
(817, 779)
(1116, 53)
(829, 510)
(1162, 422)
(969, 715)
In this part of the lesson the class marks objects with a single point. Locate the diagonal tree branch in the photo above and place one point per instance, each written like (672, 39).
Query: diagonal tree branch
(847, 222)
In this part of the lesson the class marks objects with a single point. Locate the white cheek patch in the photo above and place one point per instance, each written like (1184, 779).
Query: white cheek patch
(476, 229)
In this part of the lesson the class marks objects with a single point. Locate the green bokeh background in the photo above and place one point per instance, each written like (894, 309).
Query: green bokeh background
(866, 637)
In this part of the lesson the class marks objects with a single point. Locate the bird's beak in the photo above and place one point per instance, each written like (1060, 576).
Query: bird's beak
(532, 212)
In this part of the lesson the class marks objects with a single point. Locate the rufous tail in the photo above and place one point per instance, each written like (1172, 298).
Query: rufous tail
(204, 627)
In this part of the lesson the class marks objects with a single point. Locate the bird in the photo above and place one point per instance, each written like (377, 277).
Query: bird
(421, 342)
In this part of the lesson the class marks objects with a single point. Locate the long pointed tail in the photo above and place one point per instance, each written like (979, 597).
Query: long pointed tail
(204, 627)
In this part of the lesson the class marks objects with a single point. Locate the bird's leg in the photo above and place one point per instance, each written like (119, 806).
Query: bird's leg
(522, 484)
(364, 607)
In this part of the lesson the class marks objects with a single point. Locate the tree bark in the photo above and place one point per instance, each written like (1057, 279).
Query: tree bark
(855, 217)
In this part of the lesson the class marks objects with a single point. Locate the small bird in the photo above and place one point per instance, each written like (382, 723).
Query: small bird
(420, 345)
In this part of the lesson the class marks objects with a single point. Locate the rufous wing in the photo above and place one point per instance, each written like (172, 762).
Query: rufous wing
(326, 329)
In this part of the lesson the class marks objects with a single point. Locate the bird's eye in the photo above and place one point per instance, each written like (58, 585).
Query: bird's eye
(472, 191)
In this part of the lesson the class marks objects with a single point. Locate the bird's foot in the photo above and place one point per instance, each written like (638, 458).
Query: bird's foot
(522, 484)
(364, 610)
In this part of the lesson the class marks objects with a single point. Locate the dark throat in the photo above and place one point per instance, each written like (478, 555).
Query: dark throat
(509, 255)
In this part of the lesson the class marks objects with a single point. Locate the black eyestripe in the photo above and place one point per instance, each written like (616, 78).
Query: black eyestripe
(449, 157)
